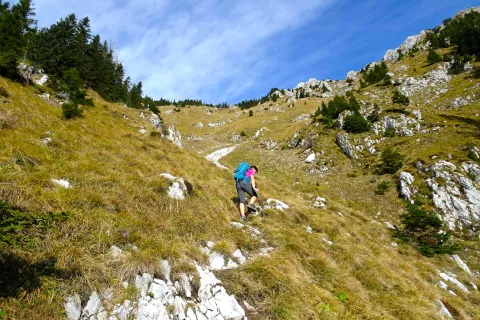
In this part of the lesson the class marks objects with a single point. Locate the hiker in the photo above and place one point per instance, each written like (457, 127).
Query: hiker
(244, 177)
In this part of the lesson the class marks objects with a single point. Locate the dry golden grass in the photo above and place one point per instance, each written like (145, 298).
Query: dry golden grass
(118, 198)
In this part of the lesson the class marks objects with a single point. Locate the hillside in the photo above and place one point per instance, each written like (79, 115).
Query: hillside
(120, 214)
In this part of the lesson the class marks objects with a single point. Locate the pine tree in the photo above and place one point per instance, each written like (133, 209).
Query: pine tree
(433, 57)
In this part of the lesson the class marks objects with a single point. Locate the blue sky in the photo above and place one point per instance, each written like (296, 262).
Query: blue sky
(227, 51)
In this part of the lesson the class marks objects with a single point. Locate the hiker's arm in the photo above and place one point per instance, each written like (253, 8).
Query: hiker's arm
(253, 182)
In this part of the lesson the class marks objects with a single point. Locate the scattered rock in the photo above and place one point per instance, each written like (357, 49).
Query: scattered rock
(320, 202)
(310, 158)
(443, 310)
(115, 251)
(309, 229)
(142, 130)
(177, 189)
(276, 204)
(450, 277)
(94, 306)
(62, 183)
(390, 225)
(461, 264)
(259, 132)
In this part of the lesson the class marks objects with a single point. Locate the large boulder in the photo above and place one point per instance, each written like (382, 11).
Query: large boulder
(344, 144)
(178, 188)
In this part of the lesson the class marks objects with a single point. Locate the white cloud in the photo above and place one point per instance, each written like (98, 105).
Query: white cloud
(211, 49)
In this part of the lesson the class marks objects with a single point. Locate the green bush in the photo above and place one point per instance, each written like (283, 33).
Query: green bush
(424, 229)
(400, 98)
(243, 134)
(382, 188)
(356, 123)
(392, 161)
(70, 110)
(250, 113)
(389, 132)
(376, 74)
(433, 57)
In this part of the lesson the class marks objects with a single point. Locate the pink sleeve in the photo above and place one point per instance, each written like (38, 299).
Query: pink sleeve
(250, 173)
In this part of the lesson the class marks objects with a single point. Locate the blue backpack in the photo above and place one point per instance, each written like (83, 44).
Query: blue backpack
(240, 173)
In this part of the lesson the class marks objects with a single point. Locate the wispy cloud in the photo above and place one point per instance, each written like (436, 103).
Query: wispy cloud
(212, 49)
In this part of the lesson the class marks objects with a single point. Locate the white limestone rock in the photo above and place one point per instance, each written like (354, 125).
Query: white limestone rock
(461, 264)
(142, 130)
(177, 189)
(310, 158)
(143, 282)
(123, 311)
(62, 183)
(259, 132)
(342, 116)
(42, 80)
(115, 251)
(444, 313)
(391, 55)
(73, 307)
(94, 305)
(276, 204)
(166, 270)
(406, 181)
(344, 144)
(456, 197)
(155, 120)
(320, 202)
(352, 75)
(450, 277)
(174, 136)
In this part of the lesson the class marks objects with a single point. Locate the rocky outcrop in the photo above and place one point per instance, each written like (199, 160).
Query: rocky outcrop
(405, 47)
(177, 189)
(310, 158)
(434, 82)
(342, 116)
(344, 144)
(155, 120)
(404, 126)
(454, 194)
(174, 136)
(320, 202)
(406, 181)
(259, 132)
(268, 144)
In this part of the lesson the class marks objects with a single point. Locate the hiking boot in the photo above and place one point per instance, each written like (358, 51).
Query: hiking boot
(244, 218)
(251, 207)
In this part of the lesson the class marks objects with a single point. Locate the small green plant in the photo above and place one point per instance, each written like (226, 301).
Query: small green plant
(243, 134)
(70, 110)
(400, 98)
(342, 297)
(433, 57)
(250, 113)
(389, 132)
(382, 188)
(177, 109)
(424, 229)
(325, 307)
(356, 123)
(392, 161)
(472, 155)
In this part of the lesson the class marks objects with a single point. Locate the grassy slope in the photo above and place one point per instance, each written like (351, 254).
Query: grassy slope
(361, 262)
(119, 199)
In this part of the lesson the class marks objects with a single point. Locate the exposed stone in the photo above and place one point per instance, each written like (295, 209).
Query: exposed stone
(461, 264)
(276, 204)
(268, 144)
(456, 197)
(352, 75)
(94, 305)
(344, 144)
(342, 116)
(319, 202)
(73, 307)
(390, 225)
(155, 120)
(443, 310)
(41, 81)
(62, 183)
(166, 270)
(174, 136)
(115, 251)
(391, 55)
(406, 181)
(123, 311)
(142, 130)
(257, 134)
(177, 189)
(310, 158)
(450, 277)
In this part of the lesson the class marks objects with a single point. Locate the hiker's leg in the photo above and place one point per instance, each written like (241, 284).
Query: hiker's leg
(252, 199)
(242, 209)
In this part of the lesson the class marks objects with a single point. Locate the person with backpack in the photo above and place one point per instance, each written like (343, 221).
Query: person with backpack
(244, 177)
